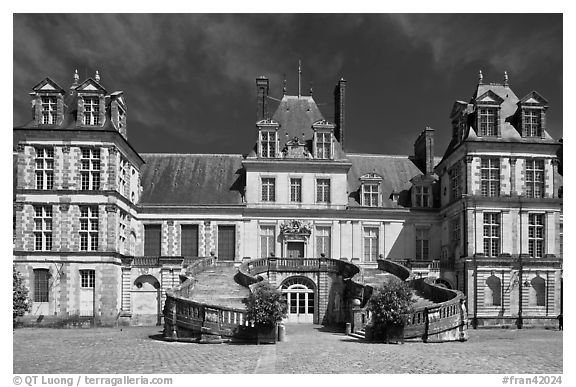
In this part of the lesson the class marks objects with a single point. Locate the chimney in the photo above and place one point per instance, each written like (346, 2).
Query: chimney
(424, 151)
(339, 110)
(262, 98)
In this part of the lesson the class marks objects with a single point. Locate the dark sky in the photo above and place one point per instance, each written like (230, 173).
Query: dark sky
(189, 80)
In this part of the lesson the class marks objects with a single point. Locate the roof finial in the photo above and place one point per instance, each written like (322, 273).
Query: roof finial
(480, 77)
(299, 76)
(505, 78)
(97, 77)
(284, 87)
(76, 77)
(311, 89)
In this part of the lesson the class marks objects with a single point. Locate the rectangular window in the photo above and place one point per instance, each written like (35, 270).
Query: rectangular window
(90, 169)
(455, 188)
(323, 244)
(42, 228)
(49, 110)
(267, 241)
(152, 240)
(41, 285)
(88, 228)
(44, 168)
(268, 144)
(323, 190)
(422, 244)
(370, 194)
(323, 145)
(490, 177)
(422, 196)
(122, 230)
(370, 244)
(91, 111)
(268, 189)
(123, 167)
(536, 235)
(87, 278)
(455, 229)
(189, 240)
(491, 239)
(534, 178)
(532, 123)
(488, 122)
(296, 190)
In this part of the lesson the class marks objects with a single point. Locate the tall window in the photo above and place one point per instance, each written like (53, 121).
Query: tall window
(87, 278)
(189, 240)
(370, 244)
(422, 244)
(491, 234)
(49, 110)
(268, 143)
(91, 111)
(422, 196)
(88, 228)
(90, 169)
(455, 188)
(532, 123)
(490, 177)
(534, 178)
(455, 228)
(267, 241)
(268, 189)
(536, 235)
(42, 228)
(488, 123)
(122, 231)
(123, 167)
(323, 241)
(296, 190)
(152, 240)
(323, 145)
(323, 190)
(41, 285)
(370, 194)
(44, 168)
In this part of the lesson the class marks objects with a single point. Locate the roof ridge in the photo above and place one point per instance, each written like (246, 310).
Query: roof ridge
(377, 155)
(191, 154)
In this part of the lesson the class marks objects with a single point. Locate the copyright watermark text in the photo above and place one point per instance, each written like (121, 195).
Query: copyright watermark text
(84, 380)
(536, 379)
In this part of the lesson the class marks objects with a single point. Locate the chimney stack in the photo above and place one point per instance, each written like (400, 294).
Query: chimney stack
(262, 85)
(339, 110)
(424, 151)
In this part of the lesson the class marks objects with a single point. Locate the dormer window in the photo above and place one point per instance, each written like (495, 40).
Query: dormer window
(324, 145)
(49, 110)
(422, 196)
(371, 192)
(120, 118)
(268, 143)
(488, 122)
(91, 111)
(532, 123)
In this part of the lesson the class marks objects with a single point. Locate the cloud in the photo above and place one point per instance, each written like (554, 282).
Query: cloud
(506, 42)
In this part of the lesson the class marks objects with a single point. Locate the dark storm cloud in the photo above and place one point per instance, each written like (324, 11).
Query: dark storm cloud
(189, 79)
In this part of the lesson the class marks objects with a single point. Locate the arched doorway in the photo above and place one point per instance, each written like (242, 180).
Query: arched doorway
(146, 301)
(299, 295)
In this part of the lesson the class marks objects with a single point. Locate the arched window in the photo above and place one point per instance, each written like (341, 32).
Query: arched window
(538, 296)
(493, 291)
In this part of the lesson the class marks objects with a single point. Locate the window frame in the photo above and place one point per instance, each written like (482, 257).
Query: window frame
(422, 244)
(323, 190)
(49, 109)
(323, 144)
(323, 241)
(371, 196)
(91, 110)
(455, 183)
(41, 285)
(267, 240)
(43, 217)
(268, 189)
(536, 235)
(531, 175)
(87, 279)
(371, 245)
(423, 199)
(485, 127)
(296, 190)
(89, 227)
(268, 146)
(491, 234)
(44, 168)
(490, 177)
(532, 122)
(90, 168)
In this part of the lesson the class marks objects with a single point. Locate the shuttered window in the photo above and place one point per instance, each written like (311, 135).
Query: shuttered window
(189, 240)
(152, 240)
(226, 242)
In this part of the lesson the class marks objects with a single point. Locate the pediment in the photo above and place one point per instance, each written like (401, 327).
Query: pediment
(90, 85)
(533, 98)
(323, 124)
(422, 180)
(490, 98)
(371, 176)
(48, 85)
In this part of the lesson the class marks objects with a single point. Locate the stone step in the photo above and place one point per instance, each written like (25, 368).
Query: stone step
(216, 286)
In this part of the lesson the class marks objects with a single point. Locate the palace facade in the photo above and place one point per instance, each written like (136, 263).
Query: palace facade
(101, 231)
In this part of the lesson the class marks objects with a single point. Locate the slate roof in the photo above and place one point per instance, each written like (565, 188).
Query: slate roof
(192, 179)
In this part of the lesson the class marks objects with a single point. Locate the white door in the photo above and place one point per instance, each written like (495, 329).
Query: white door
(300, 300)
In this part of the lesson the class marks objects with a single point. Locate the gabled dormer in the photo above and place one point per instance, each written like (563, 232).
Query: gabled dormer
(532, 116)
(91, 103)
(422, 196)
(268, 139)
(323, 142)
(487, 123)
(47, 103)
(460, 118)
(371, 190)
(118, 112)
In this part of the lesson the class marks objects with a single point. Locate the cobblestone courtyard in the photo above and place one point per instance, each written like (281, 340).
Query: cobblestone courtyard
(308, 349)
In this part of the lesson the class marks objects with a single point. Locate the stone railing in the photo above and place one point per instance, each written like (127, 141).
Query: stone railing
(254, 267)
(147, 261)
